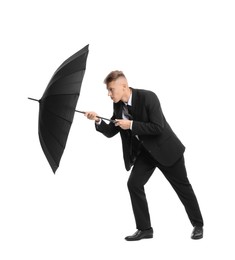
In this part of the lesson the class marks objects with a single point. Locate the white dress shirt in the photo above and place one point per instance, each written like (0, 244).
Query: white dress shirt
(129, 103)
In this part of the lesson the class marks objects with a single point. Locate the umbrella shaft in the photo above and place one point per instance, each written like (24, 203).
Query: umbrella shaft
(82, 112)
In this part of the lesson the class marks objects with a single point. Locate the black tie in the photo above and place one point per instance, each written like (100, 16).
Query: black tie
(134, 142)
(127, 111)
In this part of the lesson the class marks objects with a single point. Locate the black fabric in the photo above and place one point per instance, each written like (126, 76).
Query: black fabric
(57, 106)
(150, 125)
(177, 177)
(158, 146)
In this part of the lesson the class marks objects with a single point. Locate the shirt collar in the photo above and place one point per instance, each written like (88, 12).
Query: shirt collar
(129, 103)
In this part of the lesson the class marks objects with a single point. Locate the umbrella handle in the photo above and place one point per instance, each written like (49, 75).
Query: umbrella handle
(82, 112)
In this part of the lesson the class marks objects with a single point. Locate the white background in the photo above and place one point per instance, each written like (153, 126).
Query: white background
(184, 52)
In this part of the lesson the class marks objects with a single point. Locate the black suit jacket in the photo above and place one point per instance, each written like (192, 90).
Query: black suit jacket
(151, 127)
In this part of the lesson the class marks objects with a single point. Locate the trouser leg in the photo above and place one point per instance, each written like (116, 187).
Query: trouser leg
(139, 176)
(177, 176)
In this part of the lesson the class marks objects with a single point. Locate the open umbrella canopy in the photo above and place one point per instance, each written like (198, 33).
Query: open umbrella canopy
(57, 106)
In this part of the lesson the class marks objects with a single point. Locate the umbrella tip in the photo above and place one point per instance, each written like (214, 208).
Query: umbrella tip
(33, 99)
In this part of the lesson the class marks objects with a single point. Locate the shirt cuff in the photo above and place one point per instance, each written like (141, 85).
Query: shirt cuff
(99, 122)
(131, 124)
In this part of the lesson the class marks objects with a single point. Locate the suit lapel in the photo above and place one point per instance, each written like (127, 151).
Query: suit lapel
(134, 103)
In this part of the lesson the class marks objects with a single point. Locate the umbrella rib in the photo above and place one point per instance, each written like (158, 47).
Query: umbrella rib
(62, 94)
(58, 116)
(76, 81)
(47, 152)
(63, 146)
(56, 78)
(74, 56)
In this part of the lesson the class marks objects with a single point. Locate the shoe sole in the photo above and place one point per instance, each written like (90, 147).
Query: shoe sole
(146, 237)
(196, 238)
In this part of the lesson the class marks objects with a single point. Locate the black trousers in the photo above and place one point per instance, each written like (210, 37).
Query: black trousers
(176, 175)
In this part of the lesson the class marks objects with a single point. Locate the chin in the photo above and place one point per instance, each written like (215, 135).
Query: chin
(116, 100)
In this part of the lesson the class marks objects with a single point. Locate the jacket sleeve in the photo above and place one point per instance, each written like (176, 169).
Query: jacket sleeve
(109, 130)
(154, 121)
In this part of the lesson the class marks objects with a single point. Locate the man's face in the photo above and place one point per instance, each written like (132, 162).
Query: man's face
(116, 89)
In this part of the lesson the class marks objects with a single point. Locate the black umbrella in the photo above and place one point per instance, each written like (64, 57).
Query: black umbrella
(57, 106)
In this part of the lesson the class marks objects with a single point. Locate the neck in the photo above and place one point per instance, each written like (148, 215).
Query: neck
(127, 95)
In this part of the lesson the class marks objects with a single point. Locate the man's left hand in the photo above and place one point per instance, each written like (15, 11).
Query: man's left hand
(123, 123)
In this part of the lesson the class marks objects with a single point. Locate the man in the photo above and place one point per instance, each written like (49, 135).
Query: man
(148, 142)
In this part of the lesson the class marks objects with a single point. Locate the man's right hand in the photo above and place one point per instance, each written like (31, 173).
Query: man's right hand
(92, 116)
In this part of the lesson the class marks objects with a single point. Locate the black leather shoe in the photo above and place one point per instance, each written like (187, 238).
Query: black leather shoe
(140, 234)
(197, 233)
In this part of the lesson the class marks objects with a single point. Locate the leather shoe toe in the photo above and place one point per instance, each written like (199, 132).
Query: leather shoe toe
(140, 234)
(197, 233)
